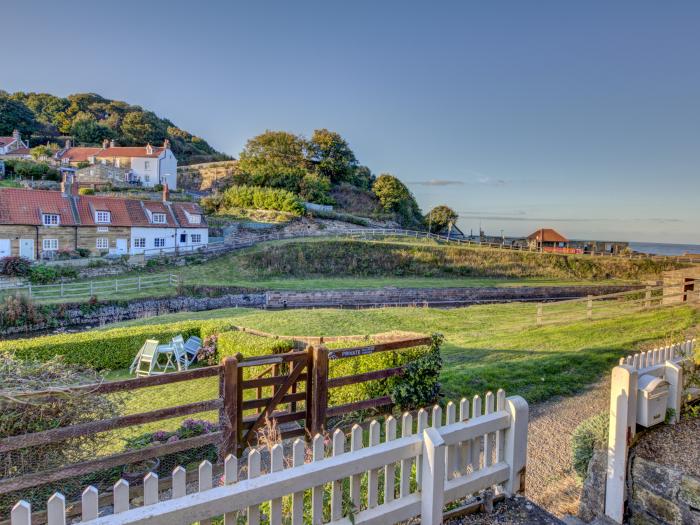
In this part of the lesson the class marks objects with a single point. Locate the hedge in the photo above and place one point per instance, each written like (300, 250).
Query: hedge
(591, 434)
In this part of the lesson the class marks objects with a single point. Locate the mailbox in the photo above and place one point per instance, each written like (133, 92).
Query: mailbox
(652, 400)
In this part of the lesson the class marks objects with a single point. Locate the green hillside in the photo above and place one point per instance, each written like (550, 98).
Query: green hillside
(88, 119)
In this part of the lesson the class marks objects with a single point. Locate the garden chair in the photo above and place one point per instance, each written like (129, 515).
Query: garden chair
(192, 347)
(169, 351)
(181, 357)
(148, 356)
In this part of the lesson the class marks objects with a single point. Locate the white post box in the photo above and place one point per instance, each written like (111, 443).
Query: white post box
(652, 400)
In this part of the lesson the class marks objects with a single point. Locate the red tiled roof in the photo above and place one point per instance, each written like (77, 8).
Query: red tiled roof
(4, 141)
(160, 207)
(547, 235)
(120, 212)
(120, 152)
(79, 154)
(179, 208)
(24, 206)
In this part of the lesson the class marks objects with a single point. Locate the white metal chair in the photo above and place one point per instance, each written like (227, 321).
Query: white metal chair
(192, 347)
(181, 358)
(148, 356)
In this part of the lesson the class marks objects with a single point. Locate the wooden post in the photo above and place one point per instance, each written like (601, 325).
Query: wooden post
(647, 297)
(515, 450)
(623, 415)
(309, 402)
(589, 307)
(320, 389)
(539, 314)
(433, 483)
(230, 417)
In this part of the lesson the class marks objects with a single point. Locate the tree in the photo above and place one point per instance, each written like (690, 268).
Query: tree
(274, 158)
(44, 151)
(87, 130)
(395, 197)
(332, 156)
(440, 217)
(14, 115)
(139, 127)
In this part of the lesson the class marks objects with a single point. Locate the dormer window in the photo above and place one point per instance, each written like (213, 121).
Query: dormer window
(51, 219)
(193, 218)
(103, 217)
(159, 218)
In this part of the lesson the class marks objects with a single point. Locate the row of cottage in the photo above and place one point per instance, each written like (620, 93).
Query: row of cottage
(38, 224)
(119, 165)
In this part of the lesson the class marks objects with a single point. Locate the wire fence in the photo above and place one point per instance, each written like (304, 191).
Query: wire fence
(101, 288)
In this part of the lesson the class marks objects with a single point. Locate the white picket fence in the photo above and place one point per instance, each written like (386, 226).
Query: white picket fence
(666, 362)
(453, 459)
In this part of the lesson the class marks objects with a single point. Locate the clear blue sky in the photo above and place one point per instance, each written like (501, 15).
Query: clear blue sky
(582, 116)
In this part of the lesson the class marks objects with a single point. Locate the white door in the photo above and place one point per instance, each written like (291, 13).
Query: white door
(121, 246)
(26, 248)
(5, 248)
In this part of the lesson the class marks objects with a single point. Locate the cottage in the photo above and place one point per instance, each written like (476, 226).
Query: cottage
(145, 165)
(37, 224)
(14, 146)
(547, 239)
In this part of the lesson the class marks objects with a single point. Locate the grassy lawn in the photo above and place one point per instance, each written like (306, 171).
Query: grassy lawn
(486, 347)
(7, 183)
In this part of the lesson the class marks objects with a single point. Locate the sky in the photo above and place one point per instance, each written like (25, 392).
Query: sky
(581, 116)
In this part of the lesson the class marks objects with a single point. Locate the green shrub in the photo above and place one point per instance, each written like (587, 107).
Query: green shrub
(15, 266)
(260, 198)
(45, 274)
(86, 191)
(591, 434)
(419, 386)
(28, 169)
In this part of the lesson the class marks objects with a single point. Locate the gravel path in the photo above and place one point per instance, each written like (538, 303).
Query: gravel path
(551, 480)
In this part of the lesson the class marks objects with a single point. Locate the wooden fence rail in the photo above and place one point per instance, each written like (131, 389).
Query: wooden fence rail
(453, 458)
(291, 393)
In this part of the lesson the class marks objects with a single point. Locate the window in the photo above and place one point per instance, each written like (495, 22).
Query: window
(183, 238)
(147, 165)
(50, 245)
(194, 218)
(51, 219)
(159, 218)
(102, 243)
(140, 243)
(147, 178)
(159, 242)
(102, 217)
(196, 238)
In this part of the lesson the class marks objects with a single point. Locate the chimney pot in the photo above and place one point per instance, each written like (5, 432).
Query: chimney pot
(112, 143)
(166, 193)
(166, 144)
(68, 144)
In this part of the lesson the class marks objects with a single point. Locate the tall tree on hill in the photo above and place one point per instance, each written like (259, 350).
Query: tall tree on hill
(332, 156)
(440, 217)
(14, 115)
(86, 130)
(141, 127)
(274, 158)
(396, 197)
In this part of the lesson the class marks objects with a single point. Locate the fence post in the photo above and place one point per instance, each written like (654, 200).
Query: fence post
(623, 416)
(647, 297)
(91, 287)
(309, 402)
(589, 307)
(61, 287)
(539, 314)
(515, 450)
(433, 482)
(230, 415)
(320, 389)
(139, 281)
(30, 290)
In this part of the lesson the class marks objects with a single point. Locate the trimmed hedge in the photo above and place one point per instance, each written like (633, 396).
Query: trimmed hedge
(234, 341)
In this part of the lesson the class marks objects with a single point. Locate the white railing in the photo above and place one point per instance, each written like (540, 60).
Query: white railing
(67, 290)
(666, 362)
(453, 460)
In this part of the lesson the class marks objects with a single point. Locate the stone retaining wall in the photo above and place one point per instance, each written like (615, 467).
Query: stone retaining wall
(662, 495)
(432, 296)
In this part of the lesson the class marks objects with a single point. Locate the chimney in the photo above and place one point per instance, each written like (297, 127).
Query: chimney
(166, 144)
(68, 144)
(105, 144)
(69, 184)
(149, 149)
(16, 135)
(112, 143)
(166, 193)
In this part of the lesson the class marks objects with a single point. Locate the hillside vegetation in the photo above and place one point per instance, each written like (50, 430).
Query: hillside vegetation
(347, 257)
(89, 118)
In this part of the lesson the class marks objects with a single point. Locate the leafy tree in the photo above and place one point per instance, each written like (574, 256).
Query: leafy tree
(440, 217)
(14, 115)
(44, 150)
(274, 158)
(362, 178)
(332, 156)
(86, 129)
(314, 188)
(395, 197)
(139, 127)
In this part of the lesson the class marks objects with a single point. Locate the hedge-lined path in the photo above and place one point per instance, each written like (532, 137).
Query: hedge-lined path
(551, 480)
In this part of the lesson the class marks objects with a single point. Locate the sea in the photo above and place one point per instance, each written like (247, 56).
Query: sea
(662, 248)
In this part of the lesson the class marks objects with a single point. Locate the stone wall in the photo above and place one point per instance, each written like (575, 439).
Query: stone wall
(662, 495)
(432, 296)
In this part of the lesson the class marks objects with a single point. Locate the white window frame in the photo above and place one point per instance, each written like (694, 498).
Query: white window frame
(159, 218)
(159, 242)
(51, 219)
(103, 217)
(102, 243)
(49, 245)
(140, 242)
(146, 164)
(196, 238)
